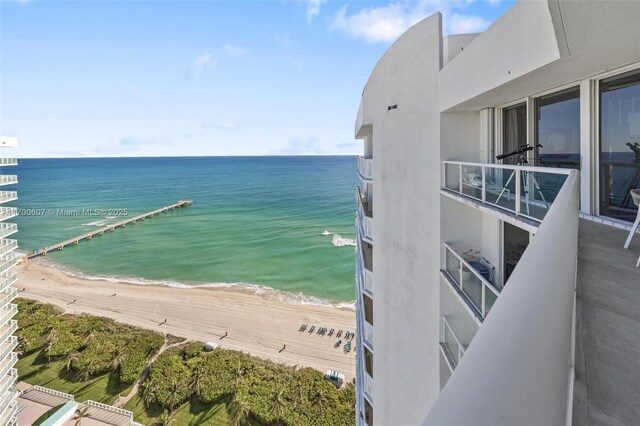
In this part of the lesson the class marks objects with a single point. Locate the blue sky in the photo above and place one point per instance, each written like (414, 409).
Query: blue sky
(149, 78)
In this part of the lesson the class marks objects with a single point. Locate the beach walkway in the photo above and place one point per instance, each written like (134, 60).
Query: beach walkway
(109, 228)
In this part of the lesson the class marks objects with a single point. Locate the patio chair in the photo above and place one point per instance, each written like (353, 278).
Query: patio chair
(635, 194)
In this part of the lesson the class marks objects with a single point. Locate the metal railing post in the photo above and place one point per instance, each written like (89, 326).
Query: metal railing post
(517, 201)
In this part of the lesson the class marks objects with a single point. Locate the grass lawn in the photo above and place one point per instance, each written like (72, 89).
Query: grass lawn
(34, 370)
(192, 413)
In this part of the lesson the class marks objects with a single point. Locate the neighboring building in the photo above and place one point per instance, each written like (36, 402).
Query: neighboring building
(8, 342)
(477, 311)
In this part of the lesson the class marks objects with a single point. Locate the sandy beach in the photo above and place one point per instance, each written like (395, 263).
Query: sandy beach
(256, 323)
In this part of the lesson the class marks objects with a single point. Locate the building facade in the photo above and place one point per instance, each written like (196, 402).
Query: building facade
(8, 342)
(499, 166)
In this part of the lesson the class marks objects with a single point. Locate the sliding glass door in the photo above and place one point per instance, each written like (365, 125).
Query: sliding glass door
(619, 145)
(514, 130)
(558, 129)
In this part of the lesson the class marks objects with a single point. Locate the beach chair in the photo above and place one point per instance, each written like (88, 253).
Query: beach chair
(338, 343)
(339, 333)
(313, 327)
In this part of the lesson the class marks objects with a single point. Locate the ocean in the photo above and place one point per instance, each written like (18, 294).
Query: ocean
(281, 224)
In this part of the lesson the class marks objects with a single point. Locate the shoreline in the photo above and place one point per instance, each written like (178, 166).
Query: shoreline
(281, 296)
(256, 322)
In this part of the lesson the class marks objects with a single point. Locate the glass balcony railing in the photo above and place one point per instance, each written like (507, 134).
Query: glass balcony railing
(8, 179)
(450, 343)
(365, 216)
(368, 385)
(368, 333)
(523, 190)
(7, 279)
(7, 229)
(479, 292)
(365, 168)
(8, 212)
(6, 196)
(7, 245)
(364, 275)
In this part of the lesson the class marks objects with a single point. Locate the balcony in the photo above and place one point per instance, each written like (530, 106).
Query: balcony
(519, 190)
(7, 279)
(7, 311)
(365, 217)
(8, 212)
(7, 246)
(9, 380)
(527, 344)
(450, 345)
(7, 296)
(7, 229)
(8, 179)
(8, 161)
(365, 168)
(364, 265)
(368, 334)
(478, 293)
(7, 329)
(368, 386)
(8, 363)
(6, 196)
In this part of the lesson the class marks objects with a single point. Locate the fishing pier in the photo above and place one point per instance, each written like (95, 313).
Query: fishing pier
(108, 228)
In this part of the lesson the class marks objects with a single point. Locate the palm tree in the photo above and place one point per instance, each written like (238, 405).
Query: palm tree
(89, 370)
(172, 397)
(319, 400)
(69, 360)
(165, 419)
(118, 358)
(22, 346)
(50, 340)
(81, 413)
(197, 378)
(149, 395)
(238, 374)
(238, 411)
(278, 402)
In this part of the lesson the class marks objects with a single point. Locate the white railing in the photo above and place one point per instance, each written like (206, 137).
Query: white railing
(9, 362)
(10, 311)
(364, 275)
(6, 263)
(7, 296)
(8, 408)
(368, 333)
(365, 168)
(8, 161)
(9, 380)
(368, 384)
(365, 217)
(7, 245)
(7, 279)
(110, 408)
(12, 325)
(8, 347)
(53, 392)
(6, 196)
(519, 367)
(8, 179)
(451, 344)
(522, 190)
(8, 212)
(7, 229)
(477, 290)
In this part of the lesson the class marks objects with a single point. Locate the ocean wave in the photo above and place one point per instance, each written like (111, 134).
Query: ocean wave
(97, 223)
(340, 241)
(257, 289)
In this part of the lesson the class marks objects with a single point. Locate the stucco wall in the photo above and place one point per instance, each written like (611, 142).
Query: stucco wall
(406, 153)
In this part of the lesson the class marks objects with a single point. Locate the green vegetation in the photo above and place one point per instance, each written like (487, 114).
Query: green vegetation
(97, 358)
(88, 356)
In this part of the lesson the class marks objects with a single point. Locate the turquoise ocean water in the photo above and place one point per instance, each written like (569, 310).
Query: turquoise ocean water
(284, 223)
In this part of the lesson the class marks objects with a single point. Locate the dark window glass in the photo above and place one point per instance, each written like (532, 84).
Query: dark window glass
(558, 129)
(514, 130)
(619, 145)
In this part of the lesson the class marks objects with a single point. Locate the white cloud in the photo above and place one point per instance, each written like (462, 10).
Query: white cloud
(301, 146)
(461, 24)
(378, 24)
(123, 145)
(200, 63)
(313, 8)
(387, 22)
(234, 51)
(494, 2)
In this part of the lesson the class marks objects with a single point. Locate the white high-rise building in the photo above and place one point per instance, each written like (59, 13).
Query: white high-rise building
(498, 291)
(8, 342)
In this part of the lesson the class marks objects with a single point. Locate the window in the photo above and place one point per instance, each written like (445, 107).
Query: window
(514, 130)
(368, 308)
(368, 362)
(558, 129)
(619, 145)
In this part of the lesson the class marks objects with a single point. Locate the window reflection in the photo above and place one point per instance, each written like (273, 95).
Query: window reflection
(619, 145)
(558, 129)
